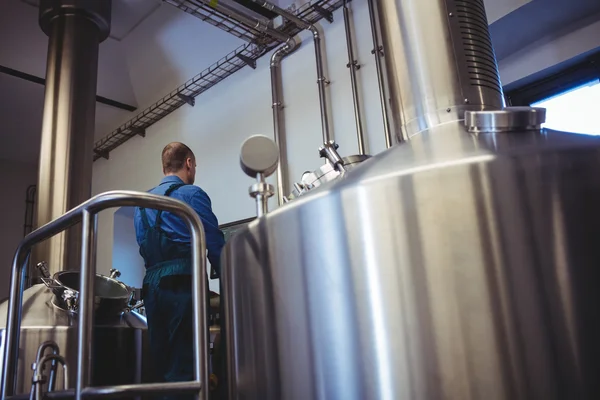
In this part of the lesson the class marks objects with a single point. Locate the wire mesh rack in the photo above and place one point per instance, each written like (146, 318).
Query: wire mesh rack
(245, 55)
(217, 18)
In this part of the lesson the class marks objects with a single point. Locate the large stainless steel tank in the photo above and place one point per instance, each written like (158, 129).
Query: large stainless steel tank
(457, 265)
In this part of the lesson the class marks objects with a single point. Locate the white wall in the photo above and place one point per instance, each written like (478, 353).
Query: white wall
(496, 9)
(15, 178)
(125, 252)
(236, 108)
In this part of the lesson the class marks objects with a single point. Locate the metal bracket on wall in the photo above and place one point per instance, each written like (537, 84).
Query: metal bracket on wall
(247, 60)
(379, 51)
(328, 15)
(102, 154)
(139, 131)
(42, 81)
(188, 99)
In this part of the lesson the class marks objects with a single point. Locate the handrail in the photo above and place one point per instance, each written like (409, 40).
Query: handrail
(86, 213)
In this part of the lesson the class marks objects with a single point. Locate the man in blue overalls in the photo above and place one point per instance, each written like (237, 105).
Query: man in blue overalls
(164, 242)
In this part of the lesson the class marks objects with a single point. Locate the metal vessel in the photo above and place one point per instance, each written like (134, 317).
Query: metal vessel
(120, 341)
(460, 264)
(105, 353)
(334, 168)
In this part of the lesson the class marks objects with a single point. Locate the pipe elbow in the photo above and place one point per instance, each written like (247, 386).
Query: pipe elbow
(287, 48)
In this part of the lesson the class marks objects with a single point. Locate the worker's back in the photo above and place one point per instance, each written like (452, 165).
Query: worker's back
(174, 227)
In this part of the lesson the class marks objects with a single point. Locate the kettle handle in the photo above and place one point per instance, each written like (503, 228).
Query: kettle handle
(51, 283)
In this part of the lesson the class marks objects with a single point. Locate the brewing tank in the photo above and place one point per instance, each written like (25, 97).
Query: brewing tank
(461, 264)
(120, 349)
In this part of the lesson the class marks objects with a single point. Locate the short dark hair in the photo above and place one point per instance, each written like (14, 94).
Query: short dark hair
(174, 156)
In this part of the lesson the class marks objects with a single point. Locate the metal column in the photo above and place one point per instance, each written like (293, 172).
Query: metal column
(75, 29)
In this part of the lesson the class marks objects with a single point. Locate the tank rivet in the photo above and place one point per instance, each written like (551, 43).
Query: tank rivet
(451, 15)
(448, 110)
(466, 101)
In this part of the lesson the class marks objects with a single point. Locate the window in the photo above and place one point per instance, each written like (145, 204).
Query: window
(570, 92)
(576, 110)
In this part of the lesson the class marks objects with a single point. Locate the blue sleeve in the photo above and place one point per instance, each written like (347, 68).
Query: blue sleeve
(215, 240)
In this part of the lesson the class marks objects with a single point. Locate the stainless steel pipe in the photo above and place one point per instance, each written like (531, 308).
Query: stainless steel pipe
(378, 53)
(278, 124)
(322, 82)
(440, 62)
(249, 21)
(75, 29)
(86, 214)
(354, 66)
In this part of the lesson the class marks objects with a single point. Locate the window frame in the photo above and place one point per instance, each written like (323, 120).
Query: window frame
(556, 83)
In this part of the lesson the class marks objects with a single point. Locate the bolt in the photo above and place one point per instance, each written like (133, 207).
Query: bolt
(466, 101)
(451, 15)
(448, 110)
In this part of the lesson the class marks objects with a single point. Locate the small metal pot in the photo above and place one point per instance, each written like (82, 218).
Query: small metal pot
(111, 296)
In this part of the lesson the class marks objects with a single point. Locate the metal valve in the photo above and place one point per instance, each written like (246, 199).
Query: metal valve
(115, 273)
(329, 151)
(43, 268)
(259, 158)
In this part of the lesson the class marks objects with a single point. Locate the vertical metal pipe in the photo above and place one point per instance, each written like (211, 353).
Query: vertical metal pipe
(321, 82)
(353, 66)
(199, 294)
(13, 324)
(75, 29)
(262, 198)
(278, 128)
(378, 53)
(86, 304)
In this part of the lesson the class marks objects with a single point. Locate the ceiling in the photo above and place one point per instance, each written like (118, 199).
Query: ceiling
(536, 20)
(126, 15)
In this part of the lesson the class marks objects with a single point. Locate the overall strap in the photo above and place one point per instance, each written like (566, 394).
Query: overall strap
(168, 193)
(158, 221)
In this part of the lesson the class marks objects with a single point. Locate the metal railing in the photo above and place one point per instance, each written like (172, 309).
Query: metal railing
(86, 213)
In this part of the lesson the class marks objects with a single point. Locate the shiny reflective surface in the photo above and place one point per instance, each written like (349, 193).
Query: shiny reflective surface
(75, 29)
(440, 62)
(325, 173)
(86, 214)
(120, 353)
(505, 120)
(454, 266)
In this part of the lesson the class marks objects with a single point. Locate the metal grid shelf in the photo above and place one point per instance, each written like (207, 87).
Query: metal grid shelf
(234, 61)
(216, 18)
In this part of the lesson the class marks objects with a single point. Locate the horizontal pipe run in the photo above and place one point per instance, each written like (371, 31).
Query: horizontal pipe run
(321, 80)
(42, 81)
(250, 22)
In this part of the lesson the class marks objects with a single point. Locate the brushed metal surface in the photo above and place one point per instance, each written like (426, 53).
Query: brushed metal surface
(440, 62)
(75, 29)
(119, 352)
(454, 266)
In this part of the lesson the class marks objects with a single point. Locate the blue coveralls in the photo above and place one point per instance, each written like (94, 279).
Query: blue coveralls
(165, 246)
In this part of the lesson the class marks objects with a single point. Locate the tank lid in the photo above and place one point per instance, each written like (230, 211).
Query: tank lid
(506, 120)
